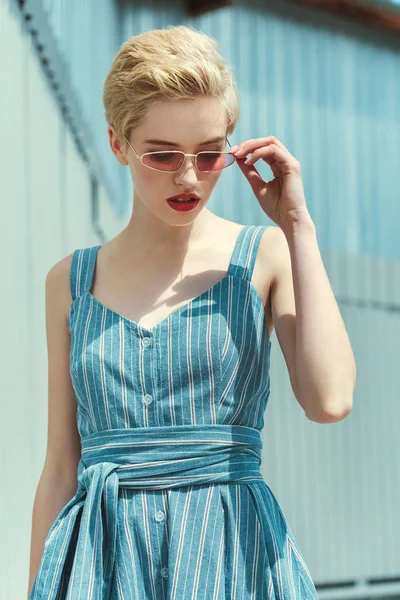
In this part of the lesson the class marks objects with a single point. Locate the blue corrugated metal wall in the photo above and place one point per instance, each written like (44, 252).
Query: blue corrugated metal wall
(330, 93)
(78, 41)
(331, 96)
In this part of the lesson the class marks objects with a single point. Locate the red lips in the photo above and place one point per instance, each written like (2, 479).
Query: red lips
(184, 196)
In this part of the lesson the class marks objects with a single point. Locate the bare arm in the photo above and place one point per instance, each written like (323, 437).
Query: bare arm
(52, 495)
(58, 480)
(310, 328)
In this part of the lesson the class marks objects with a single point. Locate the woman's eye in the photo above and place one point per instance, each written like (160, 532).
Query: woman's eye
(163, 156)
(158, 152)
(212, 154)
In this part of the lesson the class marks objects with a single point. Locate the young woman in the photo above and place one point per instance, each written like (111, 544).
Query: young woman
(159, 348)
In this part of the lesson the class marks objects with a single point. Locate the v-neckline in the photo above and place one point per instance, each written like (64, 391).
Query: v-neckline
(151, 330)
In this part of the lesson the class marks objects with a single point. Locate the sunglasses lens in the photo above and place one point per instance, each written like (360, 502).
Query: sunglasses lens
(214, 161)
(164, 161)
(172, 161)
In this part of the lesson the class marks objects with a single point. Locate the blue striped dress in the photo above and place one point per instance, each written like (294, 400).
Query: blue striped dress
(170, 502)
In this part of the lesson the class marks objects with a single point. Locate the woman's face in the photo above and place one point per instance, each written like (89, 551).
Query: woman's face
(189, 125)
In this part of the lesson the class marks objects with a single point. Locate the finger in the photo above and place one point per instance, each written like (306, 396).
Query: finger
(253, 176)
(249, 146)
(274, 154)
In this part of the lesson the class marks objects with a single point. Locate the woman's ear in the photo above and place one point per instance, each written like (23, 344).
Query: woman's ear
(116, 146)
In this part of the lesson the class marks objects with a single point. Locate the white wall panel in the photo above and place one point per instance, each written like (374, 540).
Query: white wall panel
(339, 484)
(46, 210)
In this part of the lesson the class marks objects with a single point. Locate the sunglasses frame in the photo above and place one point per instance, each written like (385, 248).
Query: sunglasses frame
(140, 157)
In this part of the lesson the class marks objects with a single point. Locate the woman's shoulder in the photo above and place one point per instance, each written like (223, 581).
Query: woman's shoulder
(231, 225)
(58, 277)
(58, 283)
(228, 230)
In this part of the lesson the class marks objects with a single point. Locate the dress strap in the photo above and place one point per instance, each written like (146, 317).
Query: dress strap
(82, 269)
(245, 252)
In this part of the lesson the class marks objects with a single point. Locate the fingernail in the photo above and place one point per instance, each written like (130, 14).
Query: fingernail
(234, 147)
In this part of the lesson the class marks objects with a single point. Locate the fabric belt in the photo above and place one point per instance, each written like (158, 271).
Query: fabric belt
(150, 458)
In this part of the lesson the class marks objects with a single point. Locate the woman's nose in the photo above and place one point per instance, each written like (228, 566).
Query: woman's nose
(187, 171)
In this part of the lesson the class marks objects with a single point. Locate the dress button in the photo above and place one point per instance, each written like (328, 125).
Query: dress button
(164, 572)
(159, 515)
(147, 399)
(146, 342)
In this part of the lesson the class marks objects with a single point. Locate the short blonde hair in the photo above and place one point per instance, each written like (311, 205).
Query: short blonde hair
(175, 62)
